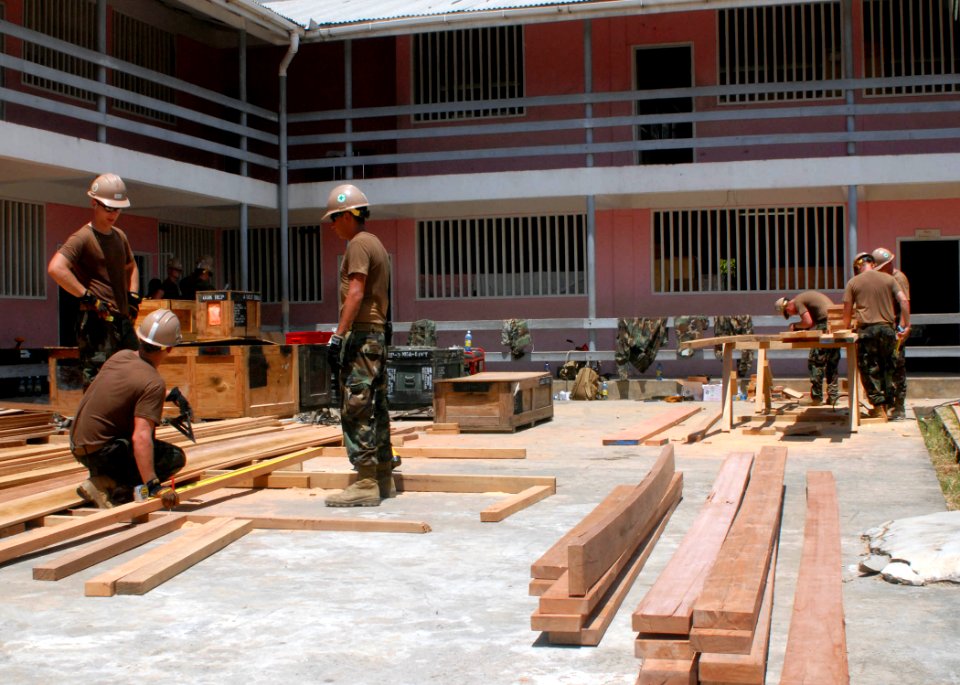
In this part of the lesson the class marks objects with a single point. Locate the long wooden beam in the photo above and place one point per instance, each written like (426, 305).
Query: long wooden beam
(518, 502)
(651, 426)
(320, 523)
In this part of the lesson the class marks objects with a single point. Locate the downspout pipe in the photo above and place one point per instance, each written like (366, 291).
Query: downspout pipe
(283, 201)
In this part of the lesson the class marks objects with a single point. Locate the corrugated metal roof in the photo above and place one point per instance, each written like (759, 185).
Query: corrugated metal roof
(324, 13)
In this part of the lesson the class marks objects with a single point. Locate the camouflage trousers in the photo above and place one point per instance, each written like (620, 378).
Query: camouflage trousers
(116, 460)
(875, 361)
(364, 413)
(823, 364)
(98, 340)
(638, 341)
(900, 380)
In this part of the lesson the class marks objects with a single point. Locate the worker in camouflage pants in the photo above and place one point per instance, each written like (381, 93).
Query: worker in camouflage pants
(875, 350)
(897, 403)
(365, 415)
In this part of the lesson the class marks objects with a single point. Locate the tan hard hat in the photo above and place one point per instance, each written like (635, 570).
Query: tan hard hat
(161, 328)
(343, 198)
(175, 263)
(205, 263)
(861, 256)
(110, 190)
(882, 256)
(781, 307)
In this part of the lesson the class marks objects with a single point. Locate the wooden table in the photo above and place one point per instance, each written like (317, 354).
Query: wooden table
(845, 340)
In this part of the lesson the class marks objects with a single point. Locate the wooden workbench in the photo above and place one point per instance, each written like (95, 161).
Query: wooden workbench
(845, 340)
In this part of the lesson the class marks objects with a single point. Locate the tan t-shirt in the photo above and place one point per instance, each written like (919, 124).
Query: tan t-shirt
(100, 263)
(366, 255)
(872, 294)
(814, 302)
(127, 386)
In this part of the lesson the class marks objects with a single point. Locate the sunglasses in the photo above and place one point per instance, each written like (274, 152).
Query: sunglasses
(105, 208)
(335, 216)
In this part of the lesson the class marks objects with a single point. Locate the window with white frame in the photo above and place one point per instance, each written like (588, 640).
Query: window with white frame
(146, 46)
(72, 21)
(749, 249)
(187, 243)
(519, 256)
(779, 44)
(23, 253)
(264, 262)
(910, 38)
(468, 65)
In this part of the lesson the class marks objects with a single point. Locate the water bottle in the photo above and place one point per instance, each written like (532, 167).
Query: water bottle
(468, 341)
(659, 371)
(546, 367)
(603, 390)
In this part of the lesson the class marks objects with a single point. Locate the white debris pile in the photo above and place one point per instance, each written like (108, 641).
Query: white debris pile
(916, 550)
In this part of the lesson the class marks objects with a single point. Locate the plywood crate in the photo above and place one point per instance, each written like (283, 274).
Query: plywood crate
(186, 311)
(494, 401)
(226, 314)
(219, 381)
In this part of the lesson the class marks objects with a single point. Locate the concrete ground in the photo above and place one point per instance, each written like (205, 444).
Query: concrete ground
(451, 605)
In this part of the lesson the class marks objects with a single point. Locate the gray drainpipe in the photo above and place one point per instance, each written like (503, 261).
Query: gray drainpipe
(282, 190)
(244, 208)
(101, 70)
(591, 199)
(852, 191)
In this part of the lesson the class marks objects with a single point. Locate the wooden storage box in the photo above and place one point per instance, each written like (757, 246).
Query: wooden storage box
(226, 314)
(219, 381)
(494, 401)
(186, 311)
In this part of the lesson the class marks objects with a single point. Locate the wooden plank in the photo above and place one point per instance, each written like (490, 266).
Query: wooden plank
(96, 552)
(668, 672)
(353, 525)
(817, 645)
(699, 430)
(553, 563)
(445, 452)
(16, 546)
(668, 605)
(661, 646)
(651, 426)
(182, 555)
(518, 502)
(591, 553)
(596, 626)
(749, 668)
(733, 591)
(728, 389)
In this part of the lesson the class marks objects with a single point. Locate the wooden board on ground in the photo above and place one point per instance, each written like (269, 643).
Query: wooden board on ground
(445, 452)
(816, 645)
(698, 431)
(511, 505)
(652, 426)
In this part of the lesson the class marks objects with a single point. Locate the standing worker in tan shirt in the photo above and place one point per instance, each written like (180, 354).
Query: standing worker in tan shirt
(357, 352)
(96, 265)
(884, 259)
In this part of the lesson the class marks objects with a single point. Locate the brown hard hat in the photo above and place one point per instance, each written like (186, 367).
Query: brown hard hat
(882, 256)
(781, 307)
(110, 190)
(175, 263)
(161, 328)
(860, 258)
(343, 198)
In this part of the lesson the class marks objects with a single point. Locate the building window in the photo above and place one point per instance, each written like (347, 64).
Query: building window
(909, 38)
(779, 44)
(146, 46)
(72, 21)
(533, 256)
(23, 251)
(464, 66)
(265, 262)
(749, 249)
(187, 243)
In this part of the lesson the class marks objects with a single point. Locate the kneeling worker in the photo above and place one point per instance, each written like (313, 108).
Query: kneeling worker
(113, 432)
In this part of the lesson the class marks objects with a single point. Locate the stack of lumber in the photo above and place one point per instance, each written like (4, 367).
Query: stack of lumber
(583, 578)
(18, 427)
(707, 617)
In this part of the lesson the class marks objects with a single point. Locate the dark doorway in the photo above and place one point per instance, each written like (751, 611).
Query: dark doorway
(664, 68)
(933, 267)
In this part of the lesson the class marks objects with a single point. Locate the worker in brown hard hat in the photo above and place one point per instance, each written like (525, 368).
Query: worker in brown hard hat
(861, 259)
(357, 352)
(200, 279)
(113, 434)
(170, 288)
(884, 259)
(96, 265)
(823, 364)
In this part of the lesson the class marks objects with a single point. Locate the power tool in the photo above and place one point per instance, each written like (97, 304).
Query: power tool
(184, 422)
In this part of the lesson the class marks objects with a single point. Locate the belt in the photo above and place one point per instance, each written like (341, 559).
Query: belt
(85, 450)
(364, 327)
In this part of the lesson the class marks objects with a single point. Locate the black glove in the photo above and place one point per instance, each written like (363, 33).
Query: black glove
(334, 350)
(93, 303)
(133, 305)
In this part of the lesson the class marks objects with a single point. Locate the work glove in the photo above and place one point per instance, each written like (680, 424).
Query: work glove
(93, 303)
(154, 488)
(334, 351)
(133, 305)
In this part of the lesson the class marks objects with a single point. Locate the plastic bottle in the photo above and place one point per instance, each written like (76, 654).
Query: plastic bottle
(603, 390)
(659, 371)
(546, 367)
(468, 341)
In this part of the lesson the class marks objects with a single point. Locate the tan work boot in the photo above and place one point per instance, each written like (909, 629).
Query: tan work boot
(365, 492)
(96, 490)
(385, 482)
